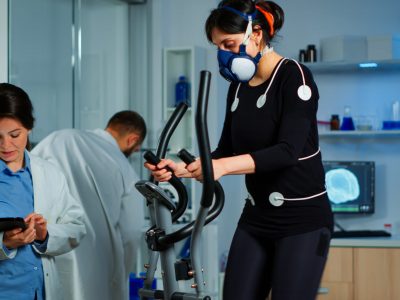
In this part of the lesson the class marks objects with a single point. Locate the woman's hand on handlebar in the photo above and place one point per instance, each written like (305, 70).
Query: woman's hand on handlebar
(161, 174)
(192, 170)
(196, 171)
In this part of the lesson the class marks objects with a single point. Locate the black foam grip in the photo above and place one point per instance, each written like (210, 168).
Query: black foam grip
(185, 156)
(153, 159)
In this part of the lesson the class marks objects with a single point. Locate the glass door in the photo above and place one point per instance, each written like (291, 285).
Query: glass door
(41, 60)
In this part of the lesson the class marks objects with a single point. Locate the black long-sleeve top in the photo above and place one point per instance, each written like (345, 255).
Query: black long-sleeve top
(276, 135)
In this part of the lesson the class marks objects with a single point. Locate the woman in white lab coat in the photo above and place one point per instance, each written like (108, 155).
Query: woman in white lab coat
(37, 191)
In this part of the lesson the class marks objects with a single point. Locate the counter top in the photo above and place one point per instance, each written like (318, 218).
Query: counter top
(367, 242)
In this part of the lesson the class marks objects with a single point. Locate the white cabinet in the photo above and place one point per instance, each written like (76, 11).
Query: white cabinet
(188, 62)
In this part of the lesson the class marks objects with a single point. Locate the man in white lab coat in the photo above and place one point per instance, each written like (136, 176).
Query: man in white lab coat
(100, 176)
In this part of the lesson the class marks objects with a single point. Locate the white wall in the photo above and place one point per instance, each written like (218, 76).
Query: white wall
(181, 22)
(139, 48)
(3, 40)
(77, 76)
(40, 44)
(306, 21)
(146, 65)
(104, 84)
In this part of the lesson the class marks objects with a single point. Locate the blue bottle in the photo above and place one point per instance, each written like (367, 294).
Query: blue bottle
(182, 91)
(347, 122)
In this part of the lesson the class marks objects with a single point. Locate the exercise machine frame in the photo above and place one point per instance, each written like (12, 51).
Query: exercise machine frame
(164, 212)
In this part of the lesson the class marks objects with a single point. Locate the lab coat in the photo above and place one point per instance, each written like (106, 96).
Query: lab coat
(101, 177)
(65, 220)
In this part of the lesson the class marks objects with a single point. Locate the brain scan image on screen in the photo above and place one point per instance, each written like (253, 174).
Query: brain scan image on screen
(342, 185)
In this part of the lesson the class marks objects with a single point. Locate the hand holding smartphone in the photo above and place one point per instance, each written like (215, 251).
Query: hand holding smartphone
(7, 224)
(17, 232)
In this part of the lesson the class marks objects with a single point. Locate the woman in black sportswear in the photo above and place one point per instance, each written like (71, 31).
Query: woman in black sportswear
(270, 135)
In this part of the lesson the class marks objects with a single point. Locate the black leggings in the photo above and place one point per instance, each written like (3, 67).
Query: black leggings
(291, 266)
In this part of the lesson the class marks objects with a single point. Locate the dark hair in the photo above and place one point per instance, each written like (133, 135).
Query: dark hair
(231, 23)
(15, 104)
(128, 121)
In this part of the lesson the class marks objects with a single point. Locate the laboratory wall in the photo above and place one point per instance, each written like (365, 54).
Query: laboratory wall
(40, 52)
(72, 59)
(176, 23)
(104, 76)
(3, 41)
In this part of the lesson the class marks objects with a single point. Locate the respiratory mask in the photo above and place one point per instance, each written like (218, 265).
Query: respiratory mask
(239, 67)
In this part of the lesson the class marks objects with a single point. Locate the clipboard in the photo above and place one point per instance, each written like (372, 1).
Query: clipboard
(12, 223)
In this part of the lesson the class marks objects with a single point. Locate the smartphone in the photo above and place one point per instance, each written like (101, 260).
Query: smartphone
(7, 224)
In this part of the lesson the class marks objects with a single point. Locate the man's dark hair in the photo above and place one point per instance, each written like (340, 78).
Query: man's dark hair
(128, 121)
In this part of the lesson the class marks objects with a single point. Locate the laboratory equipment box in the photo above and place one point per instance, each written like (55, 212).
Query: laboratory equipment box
(343, 48)
(383, 47)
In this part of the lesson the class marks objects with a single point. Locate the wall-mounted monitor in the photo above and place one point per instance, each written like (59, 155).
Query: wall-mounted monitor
(350, 186)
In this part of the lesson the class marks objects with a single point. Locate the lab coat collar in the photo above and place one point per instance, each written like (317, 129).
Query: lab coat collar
(105, 135)
(27, 161)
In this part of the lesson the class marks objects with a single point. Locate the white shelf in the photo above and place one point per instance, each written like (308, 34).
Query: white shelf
(360, 134)
(186, 61)
(381, 65)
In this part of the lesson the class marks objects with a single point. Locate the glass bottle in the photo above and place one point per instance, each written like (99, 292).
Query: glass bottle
(302, 55)
(347, 122)
(182, 91)
(311, 53)
(335, 122)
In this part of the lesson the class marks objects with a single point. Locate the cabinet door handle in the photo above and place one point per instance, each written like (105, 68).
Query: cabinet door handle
(323, 290)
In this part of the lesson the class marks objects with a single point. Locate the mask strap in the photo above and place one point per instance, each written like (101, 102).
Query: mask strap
(249, 31)
(248, 17)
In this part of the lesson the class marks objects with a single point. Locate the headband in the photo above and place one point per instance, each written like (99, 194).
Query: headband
(269, 17)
